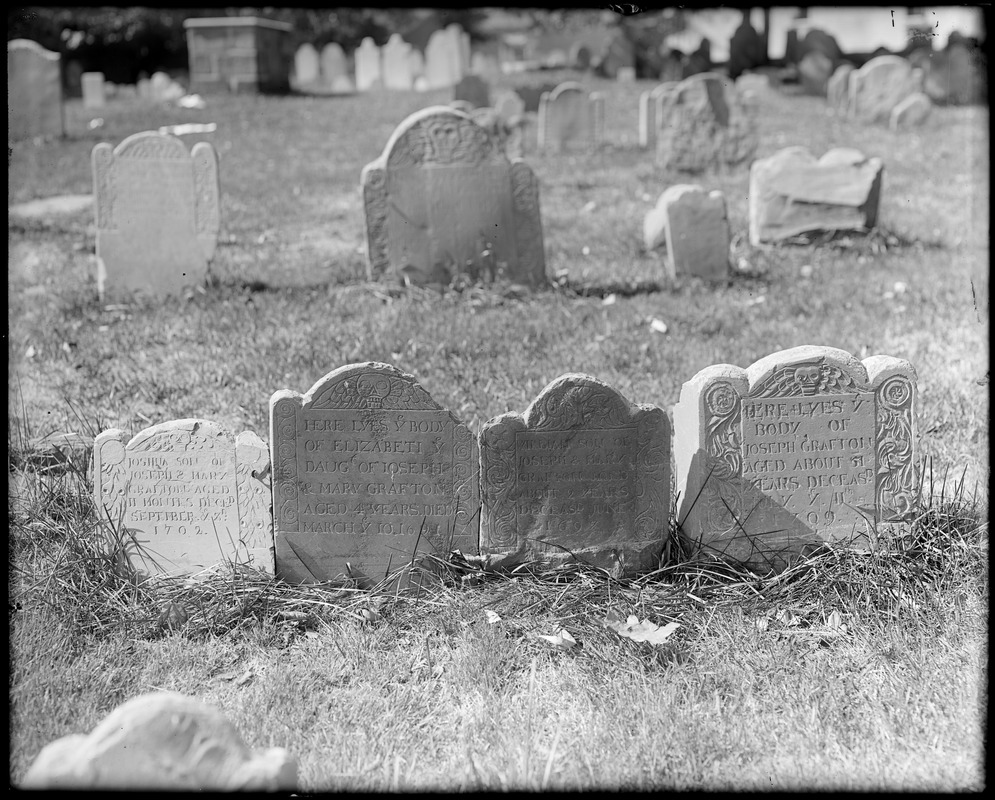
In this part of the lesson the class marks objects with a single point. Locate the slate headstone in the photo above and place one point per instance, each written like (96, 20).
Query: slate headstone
(911, 112)
(368, 470)
(698, 237)
(193, 495)
(158, 213)
(93, 87)
(474, 90)
(880, 85)
(369, 67)
(570, 117)
(806, 446)
(583, 475)
(34, 91)
(443, 198)
(397, 64)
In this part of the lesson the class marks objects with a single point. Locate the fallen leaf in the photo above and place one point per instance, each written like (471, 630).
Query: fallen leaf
(834, 620)
(588, 207)
(644, 631)
(561, 641)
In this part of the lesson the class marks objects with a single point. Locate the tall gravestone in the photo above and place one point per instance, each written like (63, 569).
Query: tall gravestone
(473, 89)
(651, 105)
(880, 85)
(192, 494)
(443, 198)
(369, 473)
(569, 116)
(806, 446)
(93, 87)
(583, 475)
(703, 123)
(158, 213)
(335, 67)
(34, 91)
(369, 66)
(307, 65)
(397, 64)
(441, 61)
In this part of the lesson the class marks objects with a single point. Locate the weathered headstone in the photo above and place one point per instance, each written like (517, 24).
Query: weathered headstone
(880, 85)
(441, 60)
(583, 475)
(443, 198)
(397, 64)
(92, 84)
(367, 469)
(191, 493)
(815, 69)
(158, 213)
(334, 65)
(307, 65)
(369, 68)
(569, 116)
(704, 123)
(804, 447)
(34, 91)
(838, 90)
(650, 107)
(698, 237)
(162, 741)
(793, 193)
(474, 90)
(911, 112)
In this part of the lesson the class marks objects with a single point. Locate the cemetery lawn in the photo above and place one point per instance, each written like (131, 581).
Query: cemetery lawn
(847, 672)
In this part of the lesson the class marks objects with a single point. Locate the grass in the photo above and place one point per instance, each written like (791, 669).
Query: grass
(761, 686)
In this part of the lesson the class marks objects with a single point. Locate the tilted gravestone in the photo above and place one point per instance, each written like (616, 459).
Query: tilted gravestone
(443, 198)
(880, 85)
(335, 67)
(650, 108)
(93, 87)
(192, 494)
(397, 64)
(34, 91)
(703, 123)
(838, 90)
(368, 471)
(806, 446)
(911, 112)
(570, 116)
(583, 475)
(369, 66)
(792, 193)
(697, 232)
(158, 213)
(474, 90)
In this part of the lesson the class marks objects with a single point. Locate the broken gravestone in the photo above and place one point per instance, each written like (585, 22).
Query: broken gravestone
(807, 446)
(444, 199)
(192, 495)
(158, 214)
(792, 193)
(880, 85)
(583, 475)
(697, 232)
(369, 475)
(569, 116)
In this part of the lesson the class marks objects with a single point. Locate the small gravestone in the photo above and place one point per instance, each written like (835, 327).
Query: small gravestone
(838, 90)
(806, 446)
(703, 123)
(144, 88)
(814, 70)
(307, 65)
(368, 469)
(159, 85)
(158, 213)
(746, 49)
(474, 90)
(334, 66)
(792, 193)
(620, 54)
(697, 226)
(444, 199)
(442, 59)
(626, 75)
(650, 107)
(570, 117)
(397, 64)
(911, 112)
(92, 84)
(369, 67)
(191, 493)
(880, 85)
(583, 475)
(34, 91)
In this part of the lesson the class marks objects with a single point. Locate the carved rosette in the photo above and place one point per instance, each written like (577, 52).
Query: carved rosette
(375, 206)
(206, 189)
(896, 473)
(252, 480)
(285, 489)
(102, 159)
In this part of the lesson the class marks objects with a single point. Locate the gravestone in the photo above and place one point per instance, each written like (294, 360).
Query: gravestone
(582, 475)
(650, 108)
(838, 90)
(34, 91)
(580, 56)
(911, 112)
(485, 65)
(334, 66)
(192, 494)
(443, 198)
(144, 88)
(626, 75)
(620, 53)
(697, 232)
(159, 85)
(368, 470)
(746, 49)
(92, 84)
(397, 64)
(570, 117)
(158, 213)
(880, 85)
(792, 193)
(307, 65)
(369, 72)
(474, 90)
(703, 123)
(507, 135)
(442, 58)
(815, 69)
(806, 446)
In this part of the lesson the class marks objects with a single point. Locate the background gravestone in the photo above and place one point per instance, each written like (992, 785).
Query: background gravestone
(911, 112)
(703, 123)
(746, 49)
(651, 105)
(158, 213)
(806, 446)
(880, 85)
(369, 67)
(334, 66)
(367, 467)
(442, 60)
(474, 90)
(697, 232)
(838, 90)
(791, 193)
(583, 475)
(92, 85)
(34, 91)
(307, 65)
(444, 198)
(193, 494)
(397, 64)
(569, 116)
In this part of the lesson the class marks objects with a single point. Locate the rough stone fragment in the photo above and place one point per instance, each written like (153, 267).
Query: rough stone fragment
(791, 193)
(162, 741)
(443, 199)
(911, 112)
(583, 475)
(570, 117)
(158, 213)
(474, 90)
(697, 232)
(806, 446)
(34, 91)
(838, 89)
(367, 469)
(192, 494)
(880, 85)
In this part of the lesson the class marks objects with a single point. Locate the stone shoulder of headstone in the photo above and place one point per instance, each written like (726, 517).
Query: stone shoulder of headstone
(911, 112)
(162, 741)
(194, 494)
(34, 91)
(806, 446)
(583, 474)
